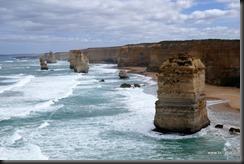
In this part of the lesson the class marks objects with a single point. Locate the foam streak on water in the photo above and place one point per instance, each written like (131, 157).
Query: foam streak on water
(62, 115)
(22, 82)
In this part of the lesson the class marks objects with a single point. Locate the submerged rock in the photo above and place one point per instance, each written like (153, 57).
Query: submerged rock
(125, 85)
(137, 85)
(181, 105)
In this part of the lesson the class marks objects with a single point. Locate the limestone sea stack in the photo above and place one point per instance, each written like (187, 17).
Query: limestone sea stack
(123, 74)
(78, 61)
(43, 64)
(50, 57)
(181, 104)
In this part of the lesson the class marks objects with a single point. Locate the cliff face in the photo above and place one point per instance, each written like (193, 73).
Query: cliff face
(134, 55)
(221, 57)
(62, 55)
(102, 55)
(181, 105)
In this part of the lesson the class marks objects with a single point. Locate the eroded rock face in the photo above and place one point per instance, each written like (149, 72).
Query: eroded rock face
(181, 105)
(123, 74)
(78, 61)
(43, 64)
(50, 57)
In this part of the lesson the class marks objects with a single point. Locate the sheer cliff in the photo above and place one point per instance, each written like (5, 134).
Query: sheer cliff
(220, 57)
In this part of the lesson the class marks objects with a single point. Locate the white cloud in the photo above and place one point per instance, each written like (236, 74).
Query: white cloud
(208, 14)
(116, 22)
(234, 6)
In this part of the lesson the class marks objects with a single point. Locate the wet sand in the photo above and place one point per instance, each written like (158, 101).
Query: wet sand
(212, 92)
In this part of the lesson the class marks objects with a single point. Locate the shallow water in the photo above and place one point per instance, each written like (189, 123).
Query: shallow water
(61, 115)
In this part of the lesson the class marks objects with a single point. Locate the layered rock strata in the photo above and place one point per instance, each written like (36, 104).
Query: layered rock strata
(221, 57)
(78, 61)
(181, 105)
(43, 64)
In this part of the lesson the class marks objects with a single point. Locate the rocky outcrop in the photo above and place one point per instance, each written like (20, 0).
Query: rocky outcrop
(234, 130)
(102, 55)
(219, 126)
(220, 57)
(43, 64)
(126, 85)
(50, 57)
(78, 61)
(181, 105)
(123, 74)
(102, 80)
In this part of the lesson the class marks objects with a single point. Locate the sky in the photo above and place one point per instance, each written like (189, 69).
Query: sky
(39, 26)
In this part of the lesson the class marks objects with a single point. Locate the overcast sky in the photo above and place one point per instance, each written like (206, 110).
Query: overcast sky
(38, 26)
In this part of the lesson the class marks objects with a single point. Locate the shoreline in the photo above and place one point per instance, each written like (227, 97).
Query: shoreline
(213, 92)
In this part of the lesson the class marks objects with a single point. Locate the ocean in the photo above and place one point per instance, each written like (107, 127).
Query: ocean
(61, 115)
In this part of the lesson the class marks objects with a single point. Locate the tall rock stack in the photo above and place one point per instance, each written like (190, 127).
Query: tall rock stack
(43, 64)
(181, 105)
(78, 61)
(50, 57)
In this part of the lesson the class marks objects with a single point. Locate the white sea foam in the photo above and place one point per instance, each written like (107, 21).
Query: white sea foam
(214, 102)
(146, 79)
(26, 152)
(51, 87)
(141, 116)
(37, 95)
(22, 60)
(60, 69)
(10, 138)
(22, 81)
(15, 137)
(43, 125)
(135, 125)
(25, 110)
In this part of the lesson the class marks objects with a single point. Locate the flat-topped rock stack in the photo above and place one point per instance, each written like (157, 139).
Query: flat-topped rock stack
(43, 64)
(78, 61)
(181, 105)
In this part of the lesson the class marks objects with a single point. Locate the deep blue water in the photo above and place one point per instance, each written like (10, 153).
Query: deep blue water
(62, 115)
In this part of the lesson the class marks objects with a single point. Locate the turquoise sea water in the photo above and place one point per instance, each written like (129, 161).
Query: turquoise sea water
(61, 115)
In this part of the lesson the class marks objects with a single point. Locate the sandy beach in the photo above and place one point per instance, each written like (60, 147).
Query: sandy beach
(213, 92)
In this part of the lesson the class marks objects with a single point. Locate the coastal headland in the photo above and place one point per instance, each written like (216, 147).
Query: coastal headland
(220, 57)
